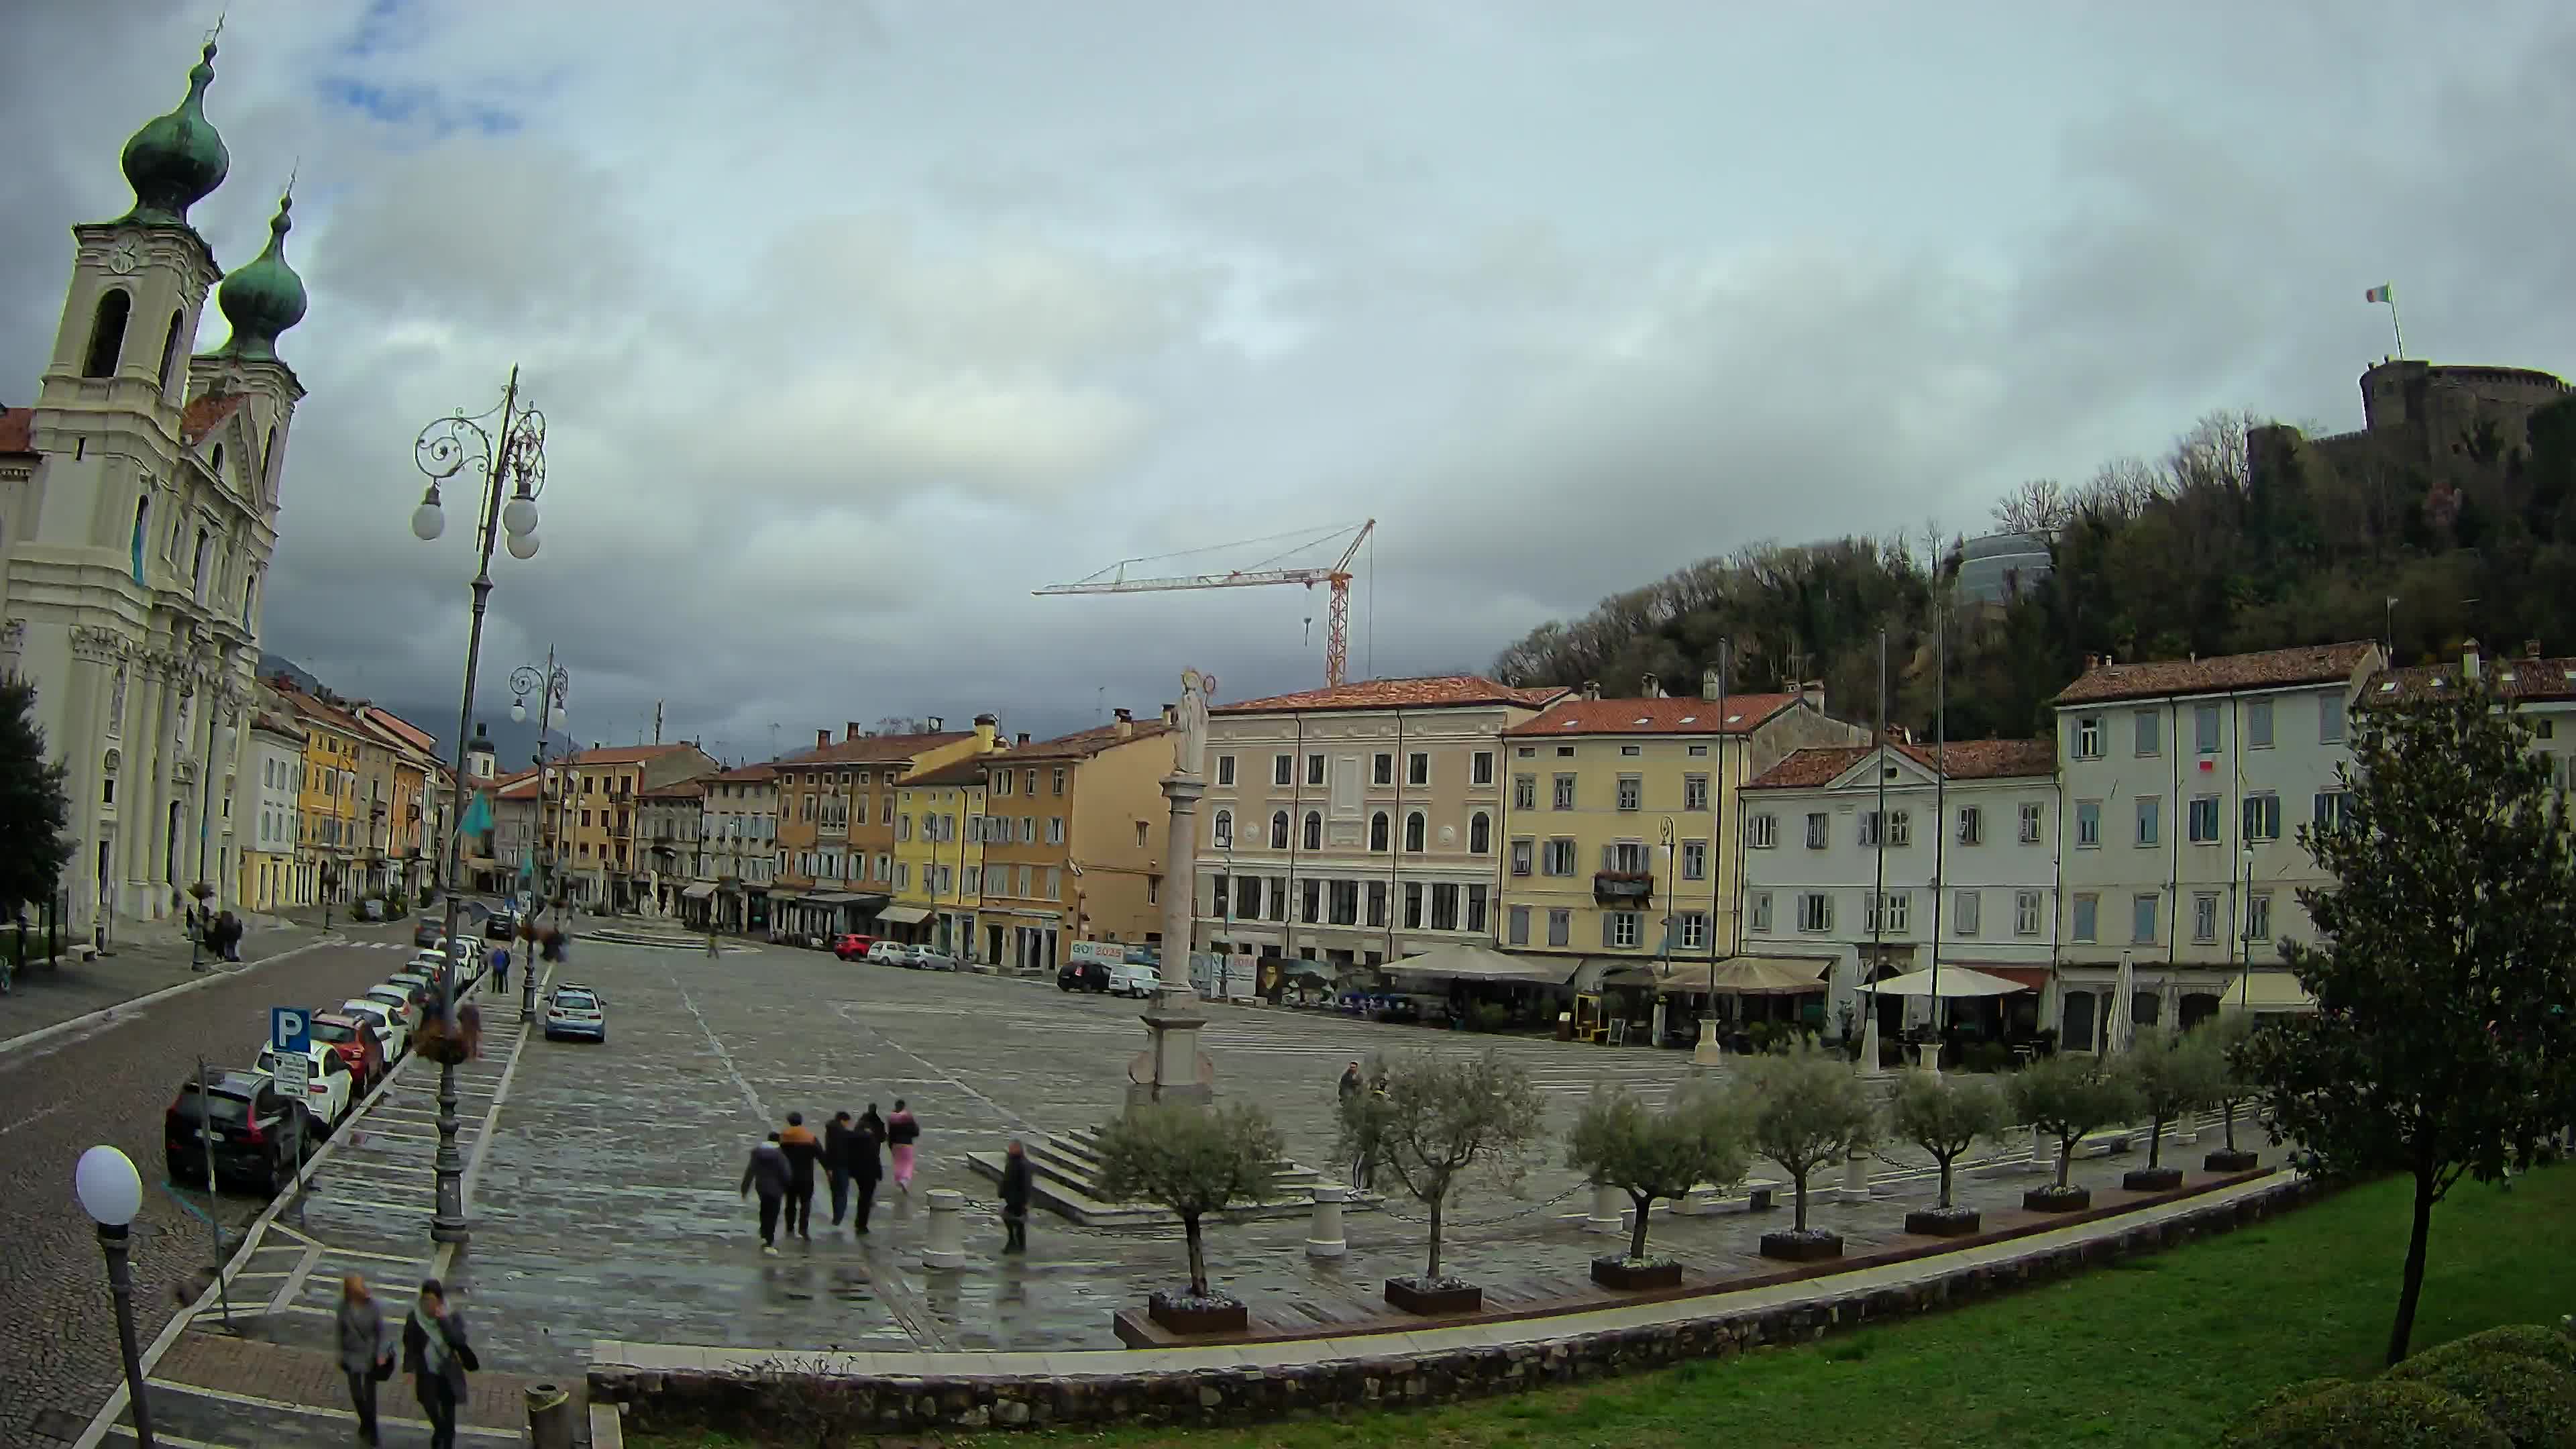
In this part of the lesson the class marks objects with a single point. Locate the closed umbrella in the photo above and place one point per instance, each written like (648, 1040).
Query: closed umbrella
(2118, 1030)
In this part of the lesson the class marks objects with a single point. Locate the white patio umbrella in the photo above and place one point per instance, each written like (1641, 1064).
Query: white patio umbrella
(2120, 1027)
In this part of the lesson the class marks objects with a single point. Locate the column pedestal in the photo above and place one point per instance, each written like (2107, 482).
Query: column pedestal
(1324, 1230)
(1707, 1051)
(1869, 1041)
(1609, 1211)
(1856, 1178)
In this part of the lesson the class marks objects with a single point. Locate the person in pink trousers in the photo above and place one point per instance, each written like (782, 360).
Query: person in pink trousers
(902, 1130)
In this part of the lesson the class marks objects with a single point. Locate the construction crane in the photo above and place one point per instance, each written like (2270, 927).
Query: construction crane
(1337, 643)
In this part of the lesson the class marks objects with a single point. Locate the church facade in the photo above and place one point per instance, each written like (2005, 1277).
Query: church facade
(138, 513)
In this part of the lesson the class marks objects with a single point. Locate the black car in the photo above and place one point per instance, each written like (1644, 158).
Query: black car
(1082, 976)
(501, 927)
(259, 1132)
(430, 931)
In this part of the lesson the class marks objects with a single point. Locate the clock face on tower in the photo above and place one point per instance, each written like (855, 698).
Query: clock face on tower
(125, 258)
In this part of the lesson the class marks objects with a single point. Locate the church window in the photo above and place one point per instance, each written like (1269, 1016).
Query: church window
(170, 349)
(142, 515)
(218, 469)
(107, 333)
(197, 569)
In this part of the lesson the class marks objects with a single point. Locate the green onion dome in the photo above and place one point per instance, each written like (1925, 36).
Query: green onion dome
(177, 160)
(264, 298)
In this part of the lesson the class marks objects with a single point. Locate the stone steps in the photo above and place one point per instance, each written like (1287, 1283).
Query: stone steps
(1064, 1176)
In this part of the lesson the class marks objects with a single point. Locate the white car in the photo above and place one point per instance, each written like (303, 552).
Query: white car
(576, 1011)
(329, 1089)
(1134, 978)
(388, 1019)
(890, 953)
(929, 958)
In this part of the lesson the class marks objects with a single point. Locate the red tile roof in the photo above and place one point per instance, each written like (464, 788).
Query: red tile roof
(677, 790)
(749, 775)
(624, 754)
(1429, 692)
(1666, 716)
(313, 708)
(968, 771)
(1083, 744)
(2271, 669)
(402, 729)
(873, 749)
(2525, 678)
(276, 726)
(1965, 760)
(207, 412)
(17, 430)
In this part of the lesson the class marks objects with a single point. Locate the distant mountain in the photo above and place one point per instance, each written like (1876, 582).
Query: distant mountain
(273, 665)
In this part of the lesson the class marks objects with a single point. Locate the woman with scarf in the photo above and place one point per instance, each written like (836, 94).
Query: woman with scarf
(902, 1130)
(366, 1350)
(436, 1351)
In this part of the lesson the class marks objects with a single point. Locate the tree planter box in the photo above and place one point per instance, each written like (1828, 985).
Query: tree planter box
(1815, 1245)
(1414, 1296)
(2151, 1179)
(2057, 1199)
(1951, 1222)
(2226, 1161)
(1627, 1277)
(1198, 1315)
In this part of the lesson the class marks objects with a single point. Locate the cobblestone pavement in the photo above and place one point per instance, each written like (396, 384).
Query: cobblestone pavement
(109, 1083)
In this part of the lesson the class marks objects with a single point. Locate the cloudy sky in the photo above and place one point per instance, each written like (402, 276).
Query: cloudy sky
(855, 321)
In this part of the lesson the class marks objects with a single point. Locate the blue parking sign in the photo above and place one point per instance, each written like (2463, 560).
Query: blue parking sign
(290, 1029)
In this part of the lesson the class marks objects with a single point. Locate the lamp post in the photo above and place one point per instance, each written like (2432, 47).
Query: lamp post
(552, 686)
(111, 1192)
(511, 455)
(2245, 910)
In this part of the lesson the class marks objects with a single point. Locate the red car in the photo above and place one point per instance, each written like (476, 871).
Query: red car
(356, 1043)
(852, 947)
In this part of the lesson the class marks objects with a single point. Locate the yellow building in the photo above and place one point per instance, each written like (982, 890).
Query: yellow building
(1620, 821)
(411, 767)
(1073, 844)
(599, 860)
(836, 841)
(939, 851)
(329, 832)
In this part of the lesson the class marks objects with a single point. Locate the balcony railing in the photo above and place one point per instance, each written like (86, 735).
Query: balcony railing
(1623, 887)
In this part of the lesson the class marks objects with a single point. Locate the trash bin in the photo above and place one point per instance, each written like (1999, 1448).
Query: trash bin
(549, 1416)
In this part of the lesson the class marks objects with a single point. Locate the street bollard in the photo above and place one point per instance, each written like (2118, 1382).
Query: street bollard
(2043, 1153)
(2187, 1129)
(1324, 1231)
(1856, 1178)
(946, 1244)
(1609, 1209)
(549, 1417)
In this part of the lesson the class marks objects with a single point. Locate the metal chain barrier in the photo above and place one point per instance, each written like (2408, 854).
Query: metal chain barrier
(1448, 1223)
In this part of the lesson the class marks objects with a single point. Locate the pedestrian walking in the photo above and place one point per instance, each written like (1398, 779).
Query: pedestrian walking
(767, 1171)
(867, 1168)
(439, 1356)
(836, 1162)
(1015, 1199)
(802, 1153)
(501, 970)
(1350, 1086)
(902, 1130)
(366, 1350)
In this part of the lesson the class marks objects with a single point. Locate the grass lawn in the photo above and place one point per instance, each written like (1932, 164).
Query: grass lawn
(2160, 1351)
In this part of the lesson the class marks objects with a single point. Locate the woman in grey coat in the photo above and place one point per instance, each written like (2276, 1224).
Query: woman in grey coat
(364, 1343)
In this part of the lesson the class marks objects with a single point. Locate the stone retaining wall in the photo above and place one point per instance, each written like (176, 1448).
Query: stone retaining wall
(799, 1397)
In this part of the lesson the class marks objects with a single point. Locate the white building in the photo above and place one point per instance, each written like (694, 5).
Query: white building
(275, 764)
(138, 509)
(740, 858)
(2185, 782)
(1961, 867)
(2541, 690)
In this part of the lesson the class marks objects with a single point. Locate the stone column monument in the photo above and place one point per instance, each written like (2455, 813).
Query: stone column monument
(1172, 1068)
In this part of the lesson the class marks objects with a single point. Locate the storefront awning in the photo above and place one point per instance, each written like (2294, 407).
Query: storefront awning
(2034, 978)
(1477, 963)
(1955, 981)
(841, 898)
(699, 892)
(1733, 976)
(903, 915)
(785, 898)
(2267, 991)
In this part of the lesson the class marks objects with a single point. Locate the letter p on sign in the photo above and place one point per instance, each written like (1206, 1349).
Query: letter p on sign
(289, 1029)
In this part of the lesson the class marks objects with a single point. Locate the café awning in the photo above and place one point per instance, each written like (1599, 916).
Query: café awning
(2266, 991)
(1734, 976)
(903, 915)
(1477, 963)
(1956, 981)
(840, 898)
(699, 892)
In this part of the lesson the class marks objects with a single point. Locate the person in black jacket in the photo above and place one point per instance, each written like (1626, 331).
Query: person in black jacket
(803, 1153)
(1015, 1200)
(439, 1355)
(867, 1169)
(767, 1171)
(836, 1162)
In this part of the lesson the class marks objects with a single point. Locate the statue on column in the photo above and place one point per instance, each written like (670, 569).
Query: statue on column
(1189, 746)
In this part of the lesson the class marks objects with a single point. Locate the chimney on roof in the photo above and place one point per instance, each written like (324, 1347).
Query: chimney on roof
(1592, 689)
(850, 730)
(987, 728)
(2469, 660)
(822, 738)
(1651, 686)
(1127, 720)
(1813, 693)
(935, 725)
(1711, 686)
(2530, 648)
(1020, 741)
(2092, 662)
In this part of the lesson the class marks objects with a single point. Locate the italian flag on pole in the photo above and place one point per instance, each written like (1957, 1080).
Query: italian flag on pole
(2381, 293)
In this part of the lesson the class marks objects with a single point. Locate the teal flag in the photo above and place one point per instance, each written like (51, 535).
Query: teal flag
(478, 816)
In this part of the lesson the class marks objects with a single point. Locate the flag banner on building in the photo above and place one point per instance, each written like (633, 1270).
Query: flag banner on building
(478, 816)
(2381, 293)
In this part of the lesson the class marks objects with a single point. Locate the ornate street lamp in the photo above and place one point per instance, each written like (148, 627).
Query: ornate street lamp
(111, 1192)
(511, 454)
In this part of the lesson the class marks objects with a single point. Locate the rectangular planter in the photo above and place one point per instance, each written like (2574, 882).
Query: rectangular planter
(1626, 1277)
(1465, 1299)
(1214, 1318)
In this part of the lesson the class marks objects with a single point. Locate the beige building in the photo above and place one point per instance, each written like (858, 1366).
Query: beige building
(1073, 836)
(1360, 823)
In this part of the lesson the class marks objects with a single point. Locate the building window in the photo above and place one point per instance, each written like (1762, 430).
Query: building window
(107, 333)
(1694, 860)
(1869, 831)
(1377, 903)
(1900, 827)
(1522, 852)
(1564, 798)
(2031, 815)
(1694, 931)
(2258, 919)
(2334, 808)
(1888, 914)
(1966, 911)
(1516, 926)
(974, 878)
(1278, 830)
(1220, 900)
(2150, 818)
(1283, 770)
(2088, 910)
(1415, 828)
(2026, 906)
(1480, 833)
(2088, 737)
(1620, 929)
(1417, 768)
(2150, 731)
(1819, 830)
(1310, 903)
(1480, 768)
(1762, 832)
(1413, 905)
(1314, 830)
(1344, 906)
(1444, 906)
(2088, 824)
(2204, 819)
(1225, 830)
(1524, 791)
(2142, 920)
(1631, 751)
(1559, 859)
(1815, 911)
(1632, 792)
(1560, 927)
(1694, 792)
(1314, 769)
(2204, 729)
(1382, 768)
(2330, 719)
(1224, 773)
(2263, 817)
(2204, 916)
(1757, 908)
(2258, 724)
(1378, 832)
(1972, 825)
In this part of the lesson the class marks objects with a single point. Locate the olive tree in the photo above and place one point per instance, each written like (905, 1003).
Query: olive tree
(2067, 1096)
(1621, 1142)
(1804, 1108)
(1192, 1160)
(1435, 1121)
(2219, 1043)
(1945, 1115)
(2171, 1078)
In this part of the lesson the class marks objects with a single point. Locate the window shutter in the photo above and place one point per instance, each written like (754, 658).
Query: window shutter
(1606, 937)
(1608, 859)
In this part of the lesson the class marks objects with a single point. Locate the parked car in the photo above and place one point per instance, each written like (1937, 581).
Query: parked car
(429, 931)
(1082, 976)
(890, 953)
(502, 927)
(253, 1132)
(359, 1045)
(329, 1089)
(576, 1011)
(416, 989)
(930, 958)
(1134, 978)
(387, 1019)
(852, 947)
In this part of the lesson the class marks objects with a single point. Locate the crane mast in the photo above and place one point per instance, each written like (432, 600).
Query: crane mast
(1336, 577)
